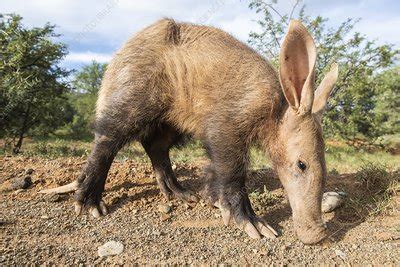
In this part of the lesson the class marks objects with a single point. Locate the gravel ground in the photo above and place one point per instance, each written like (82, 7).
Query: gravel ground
(42, 229)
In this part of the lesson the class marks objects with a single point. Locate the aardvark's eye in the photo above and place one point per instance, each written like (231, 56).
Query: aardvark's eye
(302, 166)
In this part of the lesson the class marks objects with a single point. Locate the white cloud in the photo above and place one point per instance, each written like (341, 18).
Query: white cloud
(87, 57)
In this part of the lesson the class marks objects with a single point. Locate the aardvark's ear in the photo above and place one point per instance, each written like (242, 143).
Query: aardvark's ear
(324, 90)
(297, 63)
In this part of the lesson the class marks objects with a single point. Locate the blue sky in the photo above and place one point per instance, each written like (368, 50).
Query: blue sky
(96, 29)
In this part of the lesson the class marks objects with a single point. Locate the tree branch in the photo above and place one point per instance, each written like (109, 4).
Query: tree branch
(293, 8)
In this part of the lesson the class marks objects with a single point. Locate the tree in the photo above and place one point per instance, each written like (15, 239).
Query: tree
(88, 80)
(388, 100)
(352, 112)
(86, 85)
(32, 86)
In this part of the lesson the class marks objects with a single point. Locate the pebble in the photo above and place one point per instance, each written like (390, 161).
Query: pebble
(110, 248)
(340, 254)
(22, 182)
(16, 184)
(134, 211)
(331, 201)
(164, 208)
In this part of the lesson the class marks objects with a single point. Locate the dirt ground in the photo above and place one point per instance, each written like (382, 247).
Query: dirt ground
(43, 229)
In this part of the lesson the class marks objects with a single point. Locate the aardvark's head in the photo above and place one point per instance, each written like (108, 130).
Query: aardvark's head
(299, 150)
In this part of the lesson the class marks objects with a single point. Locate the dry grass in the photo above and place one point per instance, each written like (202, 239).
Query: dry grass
(377, 187)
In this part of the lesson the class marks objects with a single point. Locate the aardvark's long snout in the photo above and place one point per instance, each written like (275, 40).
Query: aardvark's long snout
(311, 232)
(307, 217)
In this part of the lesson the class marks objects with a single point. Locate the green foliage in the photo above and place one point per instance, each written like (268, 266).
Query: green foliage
(86, 85)
(32, 86)
(57, 148)
(341, 158)
(388, 100)
(366, 88)
(88, 80)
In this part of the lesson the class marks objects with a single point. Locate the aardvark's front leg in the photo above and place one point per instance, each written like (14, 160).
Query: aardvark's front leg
(226, 190)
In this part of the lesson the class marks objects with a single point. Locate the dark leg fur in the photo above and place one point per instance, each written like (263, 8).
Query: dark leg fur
(226, 187)
(157, 147)
(92, 180)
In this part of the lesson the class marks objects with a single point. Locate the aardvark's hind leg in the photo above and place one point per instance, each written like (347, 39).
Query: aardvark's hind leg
(92, 180)
(157, 148)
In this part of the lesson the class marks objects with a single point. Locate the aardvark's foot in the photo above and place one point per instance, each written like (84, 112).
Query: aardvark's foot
(90, 200)
(239, 208)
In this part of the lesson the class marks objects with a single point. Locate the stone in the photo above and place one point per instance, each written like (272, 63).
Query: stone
(110, 248)
(331, 201)
(134, 211)
(16, 184)
(22, 182)
(340, 254)
(164, 208)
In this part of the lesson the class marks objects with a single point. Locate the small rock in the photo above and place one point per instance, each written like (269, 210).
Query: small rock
(340, 254)
(173, 167)
(110, 248)
(16, 183)
(156, 233)
(164, 208)
(134, 211)
(22, 183)
(331, 201)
